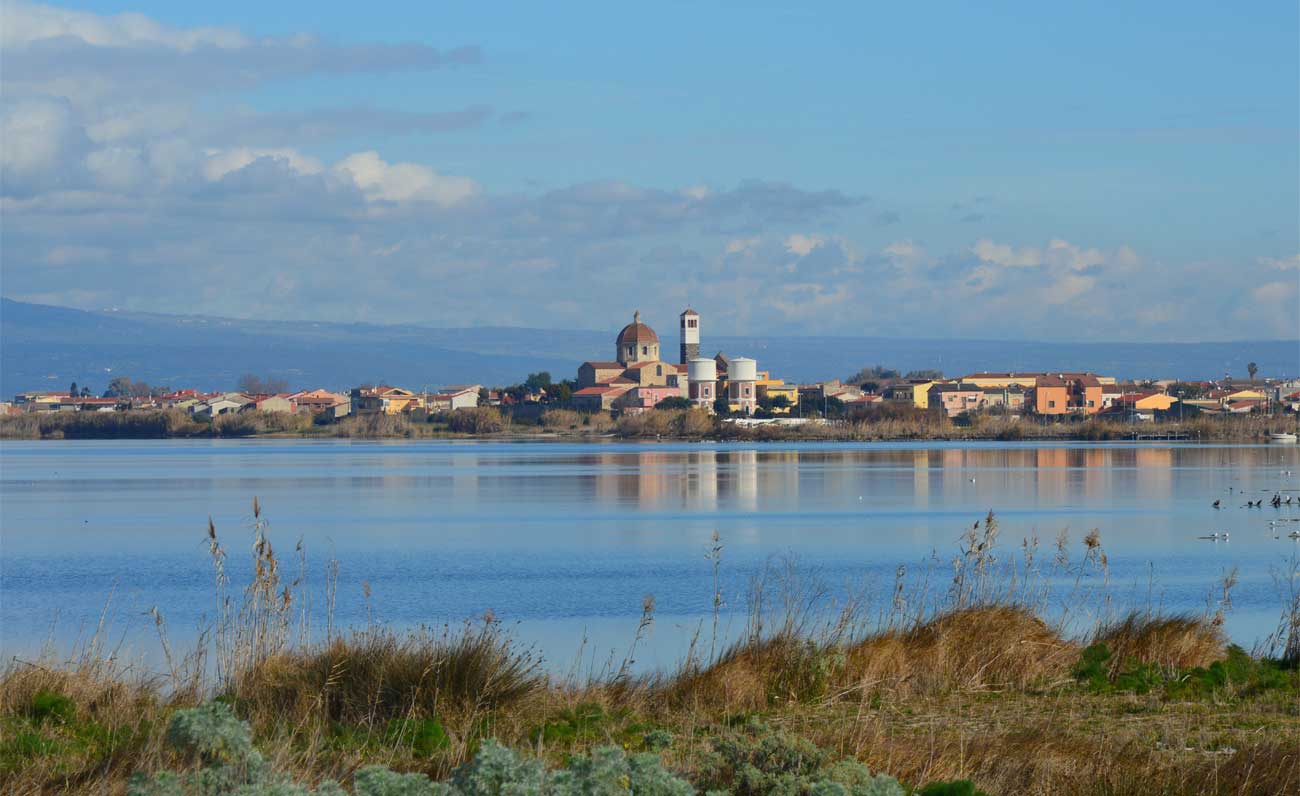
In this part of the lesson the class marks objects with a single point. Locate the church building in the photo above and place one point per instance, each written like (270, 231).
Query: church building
(636, 378)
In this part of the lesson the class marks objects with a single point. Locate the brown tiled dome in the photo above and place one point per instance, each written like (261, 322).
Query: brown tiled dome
(637, 333)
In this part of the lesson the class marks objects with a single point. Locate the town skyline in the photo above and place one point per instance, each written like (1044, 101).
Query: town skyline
(817, 173)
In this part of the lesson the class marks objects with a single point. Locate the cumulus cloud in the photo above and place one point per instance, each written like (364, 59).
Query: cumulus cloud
(403, 182)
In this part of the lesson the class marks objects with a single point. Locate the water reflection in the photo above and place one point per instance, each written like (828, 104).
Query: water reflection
(571, 532)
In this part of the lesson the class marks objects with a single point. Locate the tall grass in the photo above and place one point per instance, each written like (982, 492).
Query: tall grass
(965, 669)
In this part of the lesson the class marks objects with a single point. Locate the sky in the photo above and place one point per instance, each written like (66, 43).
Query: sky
(1045, 171)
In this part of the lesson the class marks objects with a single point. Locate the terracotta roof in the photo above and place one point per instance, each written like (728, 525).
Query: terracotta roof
(637, 332)
(689, 311)
(1049, 381)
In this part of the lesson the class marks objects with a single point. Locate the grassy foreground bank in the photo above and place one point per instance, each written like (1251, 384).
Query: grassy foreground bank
(877, 424)
(915, 693)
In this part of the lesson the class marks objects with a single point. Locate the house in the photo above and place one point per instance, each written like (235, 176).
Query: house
(643, 397)
(769, 389)
(1147, 402)
(383, 399)
(1085, 393)
(1050, 396)
(600, 397)
(1010, 398)
(97, 404)
(1245, 406)
(316, 401)
(955, 398)
(227, 404)
(913, 391)
(453, 398)
(273, 403)
(1066, 393)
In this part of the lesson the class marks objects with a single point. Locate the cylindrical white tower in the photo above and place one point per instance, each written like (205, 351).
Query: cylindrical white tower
(702, 380)
(690, 336)
(741, 391)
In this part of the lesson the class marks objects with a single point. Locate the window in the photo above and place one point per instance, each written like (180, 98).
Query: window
(1051, 404)
(659, 370)
(690, 324)
(645, 349)
(1092, 403)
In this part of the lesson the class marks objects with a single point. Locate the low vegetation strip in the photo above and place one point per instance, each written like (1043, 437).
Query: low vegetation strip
(976, 691)
(659, 424)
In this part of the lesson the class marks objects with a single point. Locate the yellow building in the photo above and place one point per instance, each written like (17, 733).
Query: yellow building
(915, 391)
(383, 400)
(769, 388)
(1149, 402)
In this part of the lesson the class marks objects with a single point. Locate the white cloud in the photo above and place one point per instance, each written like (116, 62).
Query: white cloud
(1282, 263)
(403, 182)
(1277, 293)
(39, 137)
(29, 23)
(741, 245)
(221, 163)
(803, 245)
(1007, 256)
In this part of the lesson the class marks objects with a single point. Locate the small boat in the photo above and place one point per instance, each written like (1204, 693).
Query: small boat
(1283, 437)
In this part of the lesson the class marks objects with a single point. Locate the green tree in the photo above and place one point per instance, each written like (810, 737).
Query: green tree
(1252, 369)
(721, 406)
(73, 391)
(561, 393)
(674, 402)
(119, 387)
(537, 381)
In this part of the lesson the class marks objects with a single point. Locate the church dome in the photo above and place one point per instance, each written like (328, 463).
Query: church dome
(637, 333)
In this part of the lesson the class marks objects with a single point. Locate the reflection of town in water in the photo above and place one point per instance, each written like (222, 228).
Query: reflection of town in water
(756, 479)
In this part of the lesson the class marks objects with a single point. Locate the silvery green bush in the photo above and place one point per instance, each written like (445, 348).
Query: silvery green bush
(227, 764)
(757, 760)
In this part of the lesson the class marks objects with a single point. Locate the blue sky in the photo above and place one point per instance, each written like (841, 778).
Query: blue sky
(1052, 171)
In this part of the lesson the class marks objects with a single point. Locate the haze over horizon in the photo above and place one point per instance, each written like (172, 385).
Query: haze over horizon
(995, 172)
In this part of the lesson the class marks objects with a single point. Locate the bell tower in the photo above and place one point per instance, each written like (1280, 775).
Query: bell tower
(690, 336)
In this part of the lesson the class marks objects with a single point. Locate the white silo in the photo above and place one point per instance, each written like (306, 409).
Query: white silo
(741, 390)
(702, 377)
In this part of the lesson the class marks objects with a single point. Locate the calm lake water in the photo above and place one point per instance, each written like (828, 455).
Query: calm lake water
(567, 539)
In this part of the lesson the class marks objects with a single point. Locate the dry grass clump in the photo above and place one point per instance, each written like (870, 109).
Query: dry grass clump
(755, 674)
(982, 648)
(1171, 642)
(377, 675)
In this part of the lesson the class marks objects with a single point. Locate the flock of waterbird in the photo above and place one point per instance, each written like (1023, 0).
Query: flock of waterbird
(1279, 501)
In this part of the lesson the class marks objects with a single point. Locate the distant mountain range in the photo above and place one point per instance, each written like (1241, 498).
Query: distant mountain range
(44, 347)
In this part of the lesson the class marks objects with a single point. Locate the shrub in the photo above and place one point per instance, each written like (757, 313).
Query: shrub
(756, 760)
(476, 420)
(220, 747)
